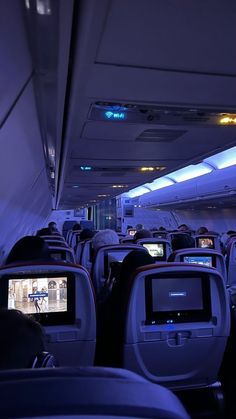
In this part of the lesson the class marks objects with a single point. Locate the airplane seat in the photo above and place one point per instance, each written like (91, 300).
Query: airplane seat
(208, 241)
(127, 240)
(54, 237)
(160, 234)
(87, 254)
(159, 249)
(85, 392)
(61, 298)
(104, 256)
(64, 254)
(75, 238)
(230, 261)
(206, 257)
(78, 251)
(58, 243)
(177, 323)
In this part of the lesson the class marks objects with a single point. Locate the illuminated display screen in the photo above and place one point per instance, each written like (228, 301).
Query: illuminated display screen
(205, 242)
(156, 250)
(38, 294)
(131, 232)
(200, 260)
(176, 300)
(113, 256)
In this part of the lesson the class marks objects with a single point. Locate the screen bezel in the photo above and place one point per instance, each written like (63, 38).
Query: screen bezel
(107, 253)
(204, 238)
(213, 258)
(51, 318)
(157, 258)
(185, 316)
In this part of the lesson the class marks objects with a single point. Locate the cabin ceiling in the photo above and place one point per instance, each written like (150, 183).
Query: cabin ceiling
(147, 53)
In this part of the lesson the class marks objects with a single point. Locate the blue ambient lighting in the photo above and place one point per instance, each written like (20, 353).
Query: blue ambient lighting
(85, 168)
(115, 115)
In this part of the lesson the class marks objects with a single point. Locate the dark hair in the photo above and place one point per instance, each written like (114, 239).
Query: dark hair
(86, 234)
(21, 339)
(131, 262)
(182, 241)
(202, 230)
(142, 234)
(44, 232)
(29, 248)
(76, 227)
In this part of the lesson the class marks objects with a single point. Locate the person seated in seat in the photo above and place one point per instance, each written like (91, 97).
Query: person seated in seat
(29, 248)
(201, 230)
(76, 227)
(183, 227)
(103, 238)
(86, 234)
(53, 228)
(181, 241)
(22, 340)
(142, 234)
(111, 315)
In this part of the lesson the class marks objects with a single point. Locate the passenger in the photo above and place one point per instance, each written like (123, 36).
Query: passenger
(105, 237)
(142, 234)
(162, 228)
(182, 241)
(201, 230)
(183, 227)
(86, 234)
(53, 227)
(111, 316)
(139, 227)
(22, 339)
(76, 227)
(44, 232)
(29, 248)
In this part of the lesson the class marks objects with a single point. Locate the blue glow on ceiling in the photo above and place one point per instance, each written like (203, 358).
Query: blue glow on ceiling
(220, 160)
(85, 168)
(115, 116)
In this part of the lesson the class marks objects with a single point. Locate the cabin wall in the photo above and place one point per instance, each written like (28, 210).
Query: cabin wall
(219, 220)
(25, 198)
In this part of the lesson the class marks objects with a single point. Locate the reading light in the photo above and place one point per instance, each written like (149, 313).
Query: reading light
(75, 186)
(227, 120)
(119, 186)
(102, 196)
(147, 169)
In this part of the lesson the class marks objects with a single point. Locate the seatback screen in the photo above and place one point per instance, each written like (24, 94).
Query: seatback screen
(177, 299)
(200, 260)
(156, 250)
(113, 256)
(49, 297)
(131, 232)
(38, 295)
(205, 242)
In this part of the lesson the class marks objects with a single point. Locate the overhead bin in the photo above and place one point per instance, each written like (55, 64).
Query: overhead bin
(218, 182)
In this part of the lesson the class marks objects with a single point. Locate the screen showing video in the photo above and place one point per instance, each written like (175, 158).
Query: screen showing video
(156, 250)
(200, 260)
(131, 232)
(38, 295)
(205, 243)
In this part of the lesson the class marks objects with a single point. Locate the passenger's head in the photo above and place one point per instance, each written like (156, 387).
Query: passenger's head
(44, 232)
(182, 241)
(21, 339)
(53, 226)
(202, 230)
(161, 228)
(86, 234)
(133, 260)
(29, 248)
(183, 227)
(76, 227)
(142, 234)
(139, 227)
(105, 237)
